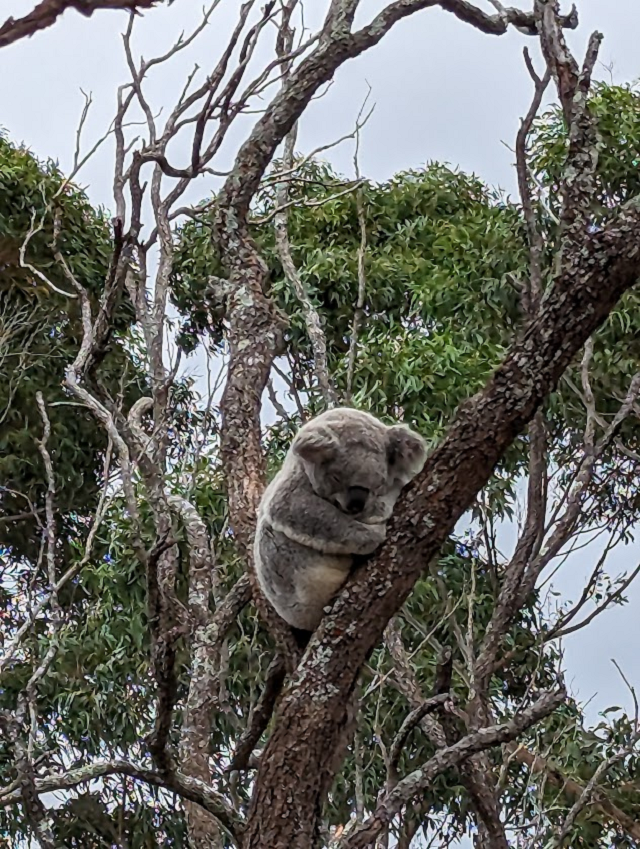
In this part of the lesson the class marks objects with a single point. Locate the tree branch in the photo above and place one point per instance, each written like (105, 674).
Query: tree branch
(476, 774)
(427, 512)
(573, 790)
(419, 780)
(410, 721)
(187, 788)
(47, 12)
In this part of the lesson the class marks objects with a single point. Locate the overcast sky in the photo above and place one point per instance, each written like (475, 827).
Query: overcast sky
(442, 91)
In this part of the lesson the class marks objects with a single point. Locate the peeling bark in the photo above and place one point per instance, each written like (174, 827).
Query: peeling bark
(195, 738)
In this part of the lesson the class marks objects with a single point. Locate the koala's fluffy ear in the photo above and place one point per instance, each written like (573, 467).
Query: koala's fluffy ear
(315, 444)
(406, 452)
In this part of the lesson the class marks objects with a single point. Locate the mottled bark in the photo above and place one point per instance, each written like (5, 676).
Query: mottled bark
(195, 738)
(297, 757)
(306, 747)
(254, 326)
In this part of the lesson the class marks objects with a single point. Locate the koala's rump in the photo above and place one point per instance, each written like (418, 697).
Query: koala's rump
(298, 581)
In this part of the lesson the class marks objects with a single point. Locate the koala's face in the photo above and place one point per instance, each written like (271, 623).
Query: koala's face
(357, 463)
(350, 478)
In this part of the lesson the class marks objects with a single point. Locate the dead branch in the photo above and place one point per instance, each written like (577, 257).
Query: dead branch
(533, 288)
(358, 314)
(188, 788)
(281, 220)
(420, 779)
(46, 13)
(410, 722)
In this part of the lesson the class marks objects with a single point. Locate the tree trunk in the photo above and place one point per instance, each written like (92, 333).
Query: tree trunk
(299, 758)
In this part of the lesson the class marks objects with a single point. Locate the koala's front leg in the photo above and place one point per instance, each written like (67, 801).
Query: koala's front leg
(319, 525)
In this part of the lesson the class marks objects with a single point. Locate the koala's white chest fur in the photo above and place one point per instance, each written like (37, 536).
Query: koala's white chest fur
(329, 502)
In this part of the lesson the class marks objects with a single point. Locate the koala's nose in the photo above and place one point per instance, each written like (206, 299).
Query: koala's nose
(356, 499)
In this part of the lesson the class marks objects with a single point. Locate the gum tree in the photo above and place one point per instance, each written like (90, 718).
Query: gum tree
(570, 266)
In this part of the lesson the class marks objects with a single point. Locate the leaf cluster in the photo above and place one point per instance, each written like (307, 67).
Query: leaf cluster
(40, 332)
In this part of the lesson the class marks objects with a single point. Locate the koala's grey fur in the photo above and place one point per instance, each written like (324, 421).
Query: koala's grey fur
(330, 500)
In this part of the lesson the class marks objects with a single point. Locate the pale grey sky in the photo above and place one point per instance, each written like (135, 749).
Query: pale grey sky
(443, 91)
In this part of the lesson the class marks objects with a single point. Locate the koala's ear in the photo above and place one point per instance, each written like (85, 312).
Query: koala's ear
(406, 452)
(315, 444)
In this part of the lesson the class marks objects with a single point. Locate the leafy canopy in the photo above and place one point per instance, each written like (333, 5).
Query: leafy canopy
(445, 255)
(40, 332)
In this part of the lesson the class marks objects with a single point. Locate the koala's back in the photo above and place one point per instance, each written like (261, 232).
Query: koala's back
(298, 581)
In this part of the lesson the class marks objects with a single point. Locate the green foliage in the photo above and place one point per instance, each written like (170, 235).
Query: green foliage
(617, 109)
(617, 344)
(40, 332)
(444, 257)
(440, 306)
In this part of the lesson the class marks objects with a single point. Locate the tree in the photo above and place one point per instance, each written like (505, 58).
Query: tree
(42, 217)
(48, 11)
(452, 653)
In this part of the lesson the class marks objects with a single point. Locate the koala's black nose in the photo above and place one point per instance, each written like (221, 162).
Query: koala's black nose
(356, 499)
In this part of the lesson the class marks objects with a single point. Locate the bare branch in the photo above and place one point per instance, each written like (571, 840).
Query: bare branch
(419, 780)
(306, 204)
(534, 289)
(362, 278)
(33, 229)
(187, 788)
(48, 11)
(312, 318)
(490, 24)
(563, 628)
(411, 720)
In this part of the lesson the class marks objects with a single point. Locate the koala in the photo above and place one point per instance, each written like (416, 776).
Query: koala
(329, 502)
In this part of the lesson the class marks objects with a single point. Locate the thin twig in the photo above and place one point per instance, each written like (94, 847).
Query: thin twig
(358, 315)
